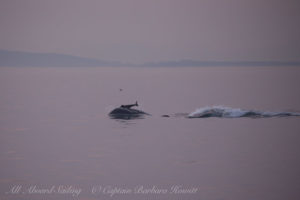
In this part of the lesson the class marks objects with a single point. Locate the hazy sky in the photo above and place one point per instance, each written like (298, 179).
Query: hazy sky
(154, 30)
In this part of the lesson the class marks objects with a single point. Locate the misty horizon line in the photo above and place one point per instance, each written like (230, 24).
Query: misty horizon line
(32, 59)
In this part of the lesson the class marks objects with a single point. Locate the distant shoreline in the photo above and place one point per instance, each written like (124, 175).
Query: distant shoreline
(26, 59)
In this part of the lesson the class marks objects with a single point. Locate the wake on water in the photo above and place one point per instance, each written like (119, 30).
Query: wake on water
(227, 112)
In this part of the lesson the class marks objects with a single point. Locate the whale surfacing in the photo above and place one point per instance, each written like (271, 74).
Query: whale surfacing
(126, 112)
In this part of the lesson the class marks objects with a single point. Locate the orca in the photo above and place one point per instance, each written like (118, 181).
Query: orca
(127, 112)
(130, 105)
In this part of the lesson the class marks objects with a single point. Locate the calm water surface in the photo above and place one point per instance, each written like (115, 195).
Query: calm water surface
(55, 132)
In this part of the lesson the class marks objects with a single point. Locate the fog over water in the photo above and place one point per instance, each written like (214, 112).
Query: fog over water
(139, 31)
(218, 79)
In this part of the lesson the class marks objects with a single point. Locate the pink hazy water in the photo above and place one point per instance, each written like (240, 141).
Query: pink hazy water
(54, 130)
